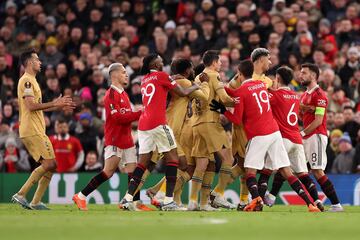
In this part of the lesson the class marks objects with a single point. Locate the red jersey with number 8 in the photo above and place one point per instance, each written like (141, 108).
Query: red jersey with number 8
(315, 97)
(285, 105)
(154, 89)
(252, 108)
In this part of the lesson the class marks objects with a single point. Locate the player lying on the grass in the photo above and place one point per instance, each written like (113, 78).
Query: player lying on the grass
(32, 130)
(315, 133)
(119, 144)
(153, 130)
(253, 109)
(285, 105)
(176, 115)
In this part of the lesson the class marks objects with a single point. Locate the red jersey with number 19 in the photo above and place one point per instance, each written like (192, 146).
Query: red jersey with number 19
(154, 89)
(285, 105)
(252, 108)
(315, 97)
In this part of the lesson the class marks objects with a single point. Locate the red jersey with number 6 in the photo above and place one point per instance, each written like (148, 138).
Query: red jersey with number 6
(315, 97)
(285, 105)
(154, 89)
(252, 108)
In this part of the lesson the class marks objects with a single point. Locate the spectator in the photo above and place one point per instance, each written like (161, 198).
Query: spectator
(332, 149)
(350, 126)
(92, 163)
(86, 132)
(68, 150)
(338, 100)
(14, 159)
(51, 55)
(343, 163)
(352, 64)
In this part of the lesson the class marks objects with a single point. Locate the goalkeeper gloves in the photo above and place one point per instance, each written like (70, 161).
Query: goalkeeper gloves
(217, 106)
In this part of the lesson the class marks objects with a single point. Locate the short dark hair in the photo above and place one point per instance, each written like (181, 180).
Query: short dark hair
(312, 67)
(62, 120)
(93, 152)
(258, 53)
(147, 61)
(349, 107)
(181, 65)
(210, 56)
(286, 74)
(246, 68)
(199, 69)
(26, 55)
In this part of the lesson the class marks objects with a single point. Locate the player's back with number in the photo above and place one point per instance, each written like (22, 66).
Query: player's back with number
(285, 105)
(154, 89)
(253, 109)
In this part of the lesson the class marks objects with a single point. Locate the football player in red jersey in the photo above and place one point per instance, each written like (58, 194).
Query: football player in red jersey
(119, 144)
(315, 133)
(153, 131)
(285, 106)
(252, 108)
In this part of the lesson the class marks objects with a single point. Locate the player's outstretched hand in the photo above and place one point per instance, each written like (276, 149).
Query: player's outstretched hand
(203, 77)
(217, 106)
(64, 102)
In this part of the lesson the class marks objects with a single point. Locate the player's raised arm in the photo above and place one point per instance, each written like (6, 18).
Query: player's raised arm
(182, 92)
(204, 92)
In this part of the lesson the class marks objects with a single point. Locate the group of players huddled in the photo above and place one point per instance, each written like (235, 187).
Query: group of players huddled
(186, 132)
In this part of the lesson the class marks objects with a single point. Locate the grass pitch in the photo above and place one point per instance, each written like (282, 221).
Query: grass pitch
(108, 222)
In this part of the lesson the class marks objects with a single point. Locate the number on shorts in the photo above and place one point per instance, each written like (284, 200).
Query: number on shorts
(291, 113)
(148, 91)
(263, 97)
(313, 157)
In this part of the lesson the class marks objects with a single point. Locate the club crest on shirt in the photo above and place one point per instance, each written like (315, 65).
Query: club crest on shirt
(322, 102)
(27, 84)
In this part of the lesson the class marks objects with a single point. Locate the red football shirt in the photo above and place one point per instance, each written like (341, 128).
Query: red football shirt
(314, 97)
(252, 108)
(118, 118)
(66, 151)
(285, 105)
(154, 89)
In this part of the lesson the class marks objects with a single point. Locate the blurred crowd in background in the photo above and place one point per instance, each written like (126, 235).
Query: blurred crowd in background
(77, 40)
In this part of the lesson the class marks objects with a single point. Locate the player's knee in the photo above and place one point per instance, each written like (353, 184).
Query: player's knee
(109, 173)
(190, 170)
(318, 173)
(50, 165)
(211, 167)
(183, 164)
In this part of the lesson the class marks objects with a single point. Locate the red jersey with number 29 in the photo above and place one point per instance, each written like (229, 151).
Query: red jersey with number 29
(285, 105)
(154, 89)
(252, 108)
(314, 97)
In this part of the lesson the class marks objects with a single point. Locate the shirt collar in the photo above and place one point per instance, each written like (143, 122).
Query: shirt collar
(119, 90)
(153, 70)
(313, 89)
(247, 80)
(284, 88)
(67, 137)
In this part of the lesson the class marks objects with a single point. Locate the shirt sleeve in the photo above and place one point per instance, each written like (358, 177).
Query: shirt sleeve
(237, 116)
(220, 91)
(203, 93)
(321, 103)
(27, 88)
(119, 114)
(167, 81)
